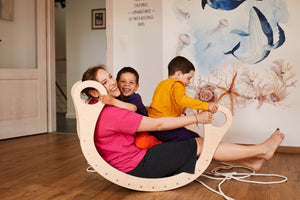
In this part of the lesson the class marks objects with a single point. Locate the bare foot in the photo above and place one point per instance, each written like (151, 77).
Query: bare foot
(253, 163)
(271, 144)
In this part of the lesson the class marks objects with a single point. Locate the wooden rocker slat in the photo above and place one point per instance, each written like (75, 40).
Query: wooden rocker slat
(87, 116)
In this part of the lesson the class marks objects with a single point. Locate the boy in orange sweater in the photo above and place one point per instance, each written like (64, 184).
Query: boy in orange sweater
(170, 98)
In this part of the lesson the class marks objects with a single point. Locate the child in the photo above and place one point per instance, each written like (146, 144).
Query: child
(128, 84)
(169, 99)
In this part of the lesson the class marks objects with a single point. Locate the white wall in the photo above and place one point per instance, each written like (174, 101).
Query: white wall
(85, 47)
(135, 40)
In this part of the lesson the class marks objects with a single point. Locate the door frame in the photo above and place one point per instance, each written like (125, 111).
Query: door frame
(50, 65)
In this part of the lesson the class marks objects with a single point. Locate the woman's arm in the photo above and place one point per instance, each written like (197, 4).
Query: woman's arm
(109, 100)
(168, 123)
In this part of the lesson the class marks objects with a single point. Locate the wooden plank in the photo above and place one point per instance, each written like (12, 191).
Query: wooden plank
(51, 166)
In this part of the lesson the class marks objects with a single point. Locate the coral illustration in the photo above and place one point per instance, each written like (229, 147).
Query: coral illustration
(237, 87)
(274, 89)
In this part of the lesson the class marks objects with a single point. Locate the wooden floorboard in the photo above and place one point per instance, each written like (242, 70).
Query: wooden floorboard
(51, 166)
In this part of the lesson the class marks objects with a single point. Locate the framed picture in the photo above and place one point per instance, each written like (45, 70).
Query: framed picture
(7, 10)
(98, 19)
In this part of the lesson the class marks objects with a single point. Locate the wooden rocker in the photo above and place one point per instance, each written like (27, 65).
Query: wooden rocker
(87, 116)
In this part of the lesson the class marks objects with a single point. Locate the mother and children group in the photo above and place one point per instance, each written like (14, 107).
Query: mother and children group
(152, 142)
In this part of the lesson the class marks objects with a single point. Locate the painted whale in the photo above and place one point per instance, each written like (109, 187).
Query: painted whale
(222, 4)
(260, 38)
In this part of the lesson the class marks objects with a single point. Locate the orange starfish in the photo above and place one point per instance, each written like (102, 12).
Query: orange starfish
(231, 92)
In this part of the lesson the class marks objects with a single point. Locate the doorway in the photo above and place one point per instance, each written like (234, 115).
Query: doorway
(65, 125)
(78, 46)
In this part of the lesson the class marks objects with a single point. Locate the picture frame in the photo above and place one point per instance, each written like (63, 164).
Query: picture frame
(7, 10)
(98, 18)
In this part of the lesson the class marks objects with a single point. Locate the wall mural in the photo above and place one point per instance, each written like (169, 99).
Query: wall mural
(232, 43)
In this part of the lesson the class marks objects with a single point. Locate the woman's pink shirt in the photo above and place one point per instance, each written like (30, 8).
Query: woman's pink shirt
(115, 138)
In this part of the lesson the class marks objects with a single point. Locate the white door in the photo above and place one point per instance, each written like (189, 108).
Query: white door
(23, 55)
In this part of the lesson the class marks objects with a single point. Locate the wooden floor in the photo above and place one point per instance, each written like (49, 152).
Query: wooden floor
(51, 166)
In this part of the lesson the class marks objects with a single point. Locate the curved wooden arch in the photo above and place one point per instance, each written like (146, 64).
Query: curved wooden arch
(87, 116)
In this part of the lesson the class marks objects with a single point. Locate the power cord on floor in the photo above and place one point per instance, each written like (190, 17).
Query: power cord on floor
(90, 169)
(216, 175)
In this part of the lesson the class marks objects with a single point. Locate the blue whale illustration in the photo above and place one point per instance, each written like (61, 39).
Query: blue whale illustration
(222, 4)
(260, 38)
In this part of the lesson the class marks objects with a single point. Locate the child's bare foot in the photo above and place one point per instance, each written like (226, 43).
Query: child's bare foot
(271, 144)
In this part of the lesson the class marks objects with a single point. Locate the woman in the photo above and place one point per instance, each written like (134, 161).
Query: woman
(116, 128)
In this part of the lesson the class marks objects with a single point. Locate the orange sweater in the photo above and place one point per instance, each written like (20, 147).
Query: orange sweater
(169, 99)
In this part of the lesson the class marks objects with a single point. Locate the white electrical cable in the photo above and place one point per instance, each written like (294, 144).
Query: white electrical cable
(216, 175)
(90, 169)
